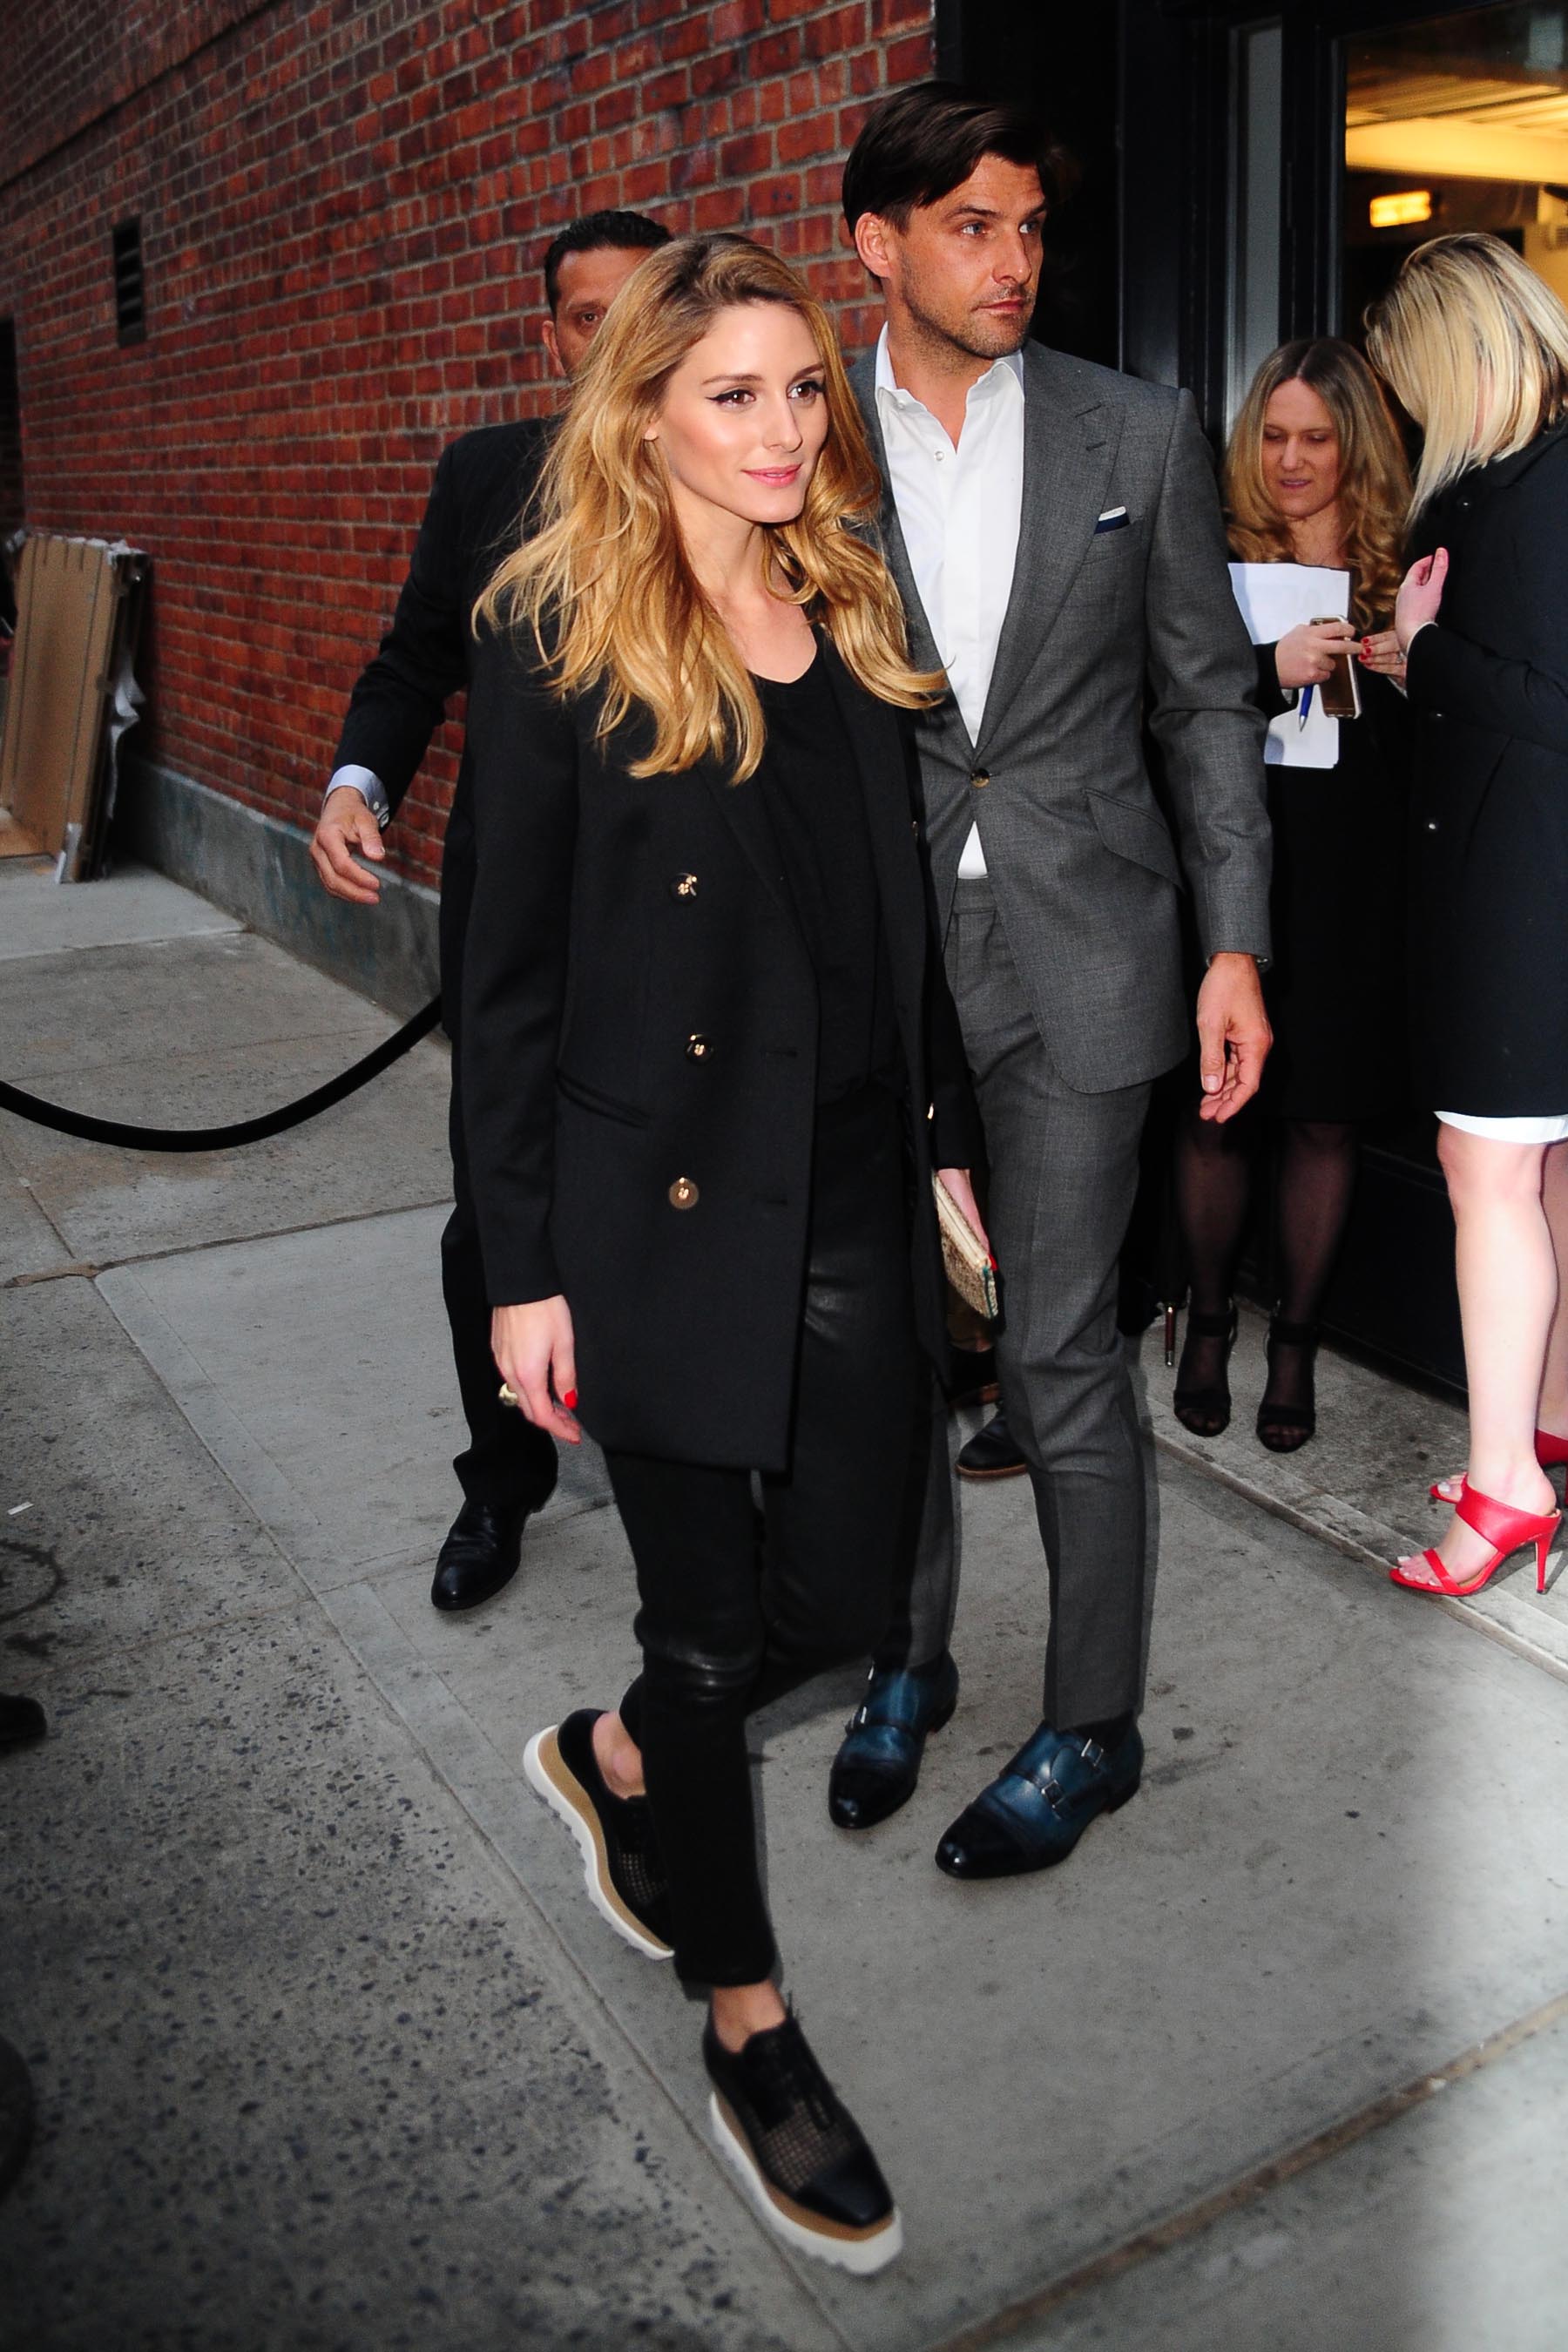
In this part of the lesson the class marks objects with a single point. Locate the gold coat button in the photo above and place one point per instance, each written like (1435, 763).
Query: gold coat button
(697, 1047)
(981, 776)
(684, 887)
(683, 1193)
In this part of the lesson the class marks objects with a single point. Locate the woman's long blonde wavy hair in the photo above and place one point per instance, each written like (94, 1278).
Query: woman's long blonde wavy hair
(1375, 480)
(1475, 346)
(602, 582)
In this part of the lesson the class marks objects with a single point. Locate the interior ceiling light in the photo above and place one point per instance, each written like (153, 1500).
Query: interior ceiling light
(1401, 211)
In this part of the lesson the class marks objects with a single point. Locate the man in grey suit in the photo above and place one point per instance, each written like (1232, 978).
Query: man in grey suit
(1056, 533)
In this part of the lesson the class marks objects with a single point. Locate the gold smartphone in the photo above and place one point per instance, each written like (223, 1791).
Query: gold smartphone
(1340, 694)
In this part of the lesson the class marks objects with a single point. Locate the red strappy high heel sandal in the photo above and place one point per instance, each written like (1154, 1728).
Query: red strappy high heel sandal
(1497, 1523)
(1551, 1452)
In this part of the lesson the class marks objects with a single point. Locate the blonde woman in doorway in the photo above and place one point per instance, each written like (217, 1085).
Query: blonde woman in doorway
(1477, 348)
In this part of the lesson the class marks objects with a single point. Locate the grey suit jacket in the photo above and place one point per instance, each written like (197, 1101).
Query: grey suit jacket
(1106, 631)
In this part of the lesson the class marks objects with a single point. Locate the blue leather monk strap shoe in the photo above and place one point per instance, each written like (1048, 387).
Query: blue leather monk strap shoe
(1035, 1812)
(879, 1763)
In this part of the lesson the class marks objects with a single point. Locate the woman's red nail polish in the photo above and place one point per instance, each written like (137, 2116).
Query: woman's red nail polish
(569, 1399)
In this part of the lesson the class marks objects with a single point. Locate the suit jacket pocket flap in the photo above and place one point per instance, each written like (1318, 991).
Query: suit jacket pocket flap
(1139, 834)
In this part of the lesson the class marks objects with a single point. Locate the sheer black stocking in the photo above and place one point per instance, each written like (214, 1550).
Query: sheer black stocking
(1315, 1183)
(1315, 1186)
(1213, 1192)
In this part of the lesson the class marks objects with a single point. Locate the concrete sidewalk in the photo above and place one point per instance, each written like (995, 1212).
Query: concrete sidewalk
(332, 2052)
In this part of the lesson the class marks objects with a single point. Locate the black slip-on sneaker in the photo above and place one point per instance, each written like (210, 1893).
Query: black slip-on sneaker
(621, 1865)
(802, 2158)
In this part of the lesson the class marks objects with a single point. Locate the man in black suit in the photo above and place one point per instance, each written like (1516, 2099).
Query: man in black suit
(482, 484)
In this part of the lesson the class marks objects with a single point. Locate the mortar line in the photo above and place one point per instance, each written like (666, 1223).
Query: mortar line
(1178, 2229)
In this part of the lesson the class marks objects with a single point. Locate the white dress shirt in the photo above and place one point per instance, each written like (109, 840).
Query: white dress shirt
(959, 510)
(368, 785)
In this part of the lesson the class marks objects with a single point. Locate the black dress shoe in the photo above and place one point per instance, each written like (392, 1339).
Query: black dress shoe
(993, 1451)
(879, 1761)
(1034, 1813)
(480, 1554)
(800, 2154)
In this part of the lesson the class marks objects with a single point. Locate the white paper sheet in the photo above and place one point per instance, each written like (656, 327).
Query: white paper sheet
(1274, 598)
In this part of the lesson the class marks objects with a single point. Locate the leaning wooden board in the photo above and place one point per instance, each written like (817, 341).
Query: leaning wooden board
(77, 603)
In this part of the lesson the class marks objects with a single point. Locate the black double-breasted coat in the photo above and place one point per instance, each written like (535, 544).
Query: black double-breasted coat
(640, 1034)
(1489, 688)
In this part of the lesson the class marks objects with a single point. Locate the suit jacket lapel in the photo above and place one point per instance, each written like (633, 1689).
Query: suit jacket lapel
(1068, 447)
(923, 650)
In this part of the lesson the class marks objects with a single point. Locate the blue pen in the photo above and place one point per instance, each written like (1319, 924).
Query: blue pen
(1303, 706)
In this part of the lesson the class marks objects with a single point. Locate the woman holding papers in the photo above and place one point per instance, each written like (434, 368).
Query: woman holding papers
(1316, 485)
(1477, 348)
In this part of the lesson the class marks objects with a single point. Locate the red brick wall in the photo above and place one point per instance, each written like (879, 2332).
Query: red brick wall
(343, 206)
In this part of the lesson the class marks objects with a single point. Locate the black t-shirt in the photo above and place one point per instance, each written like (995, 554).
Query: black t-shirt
(810, 787)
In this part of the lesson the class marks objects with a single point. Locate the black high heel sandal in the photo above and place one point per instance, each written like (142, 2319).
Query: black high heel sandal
(1285, 1428)
(1207, 1412)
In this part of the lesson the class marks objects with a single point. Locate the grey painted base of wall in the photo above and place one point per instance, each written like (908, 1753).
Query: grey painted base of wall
(259, 869)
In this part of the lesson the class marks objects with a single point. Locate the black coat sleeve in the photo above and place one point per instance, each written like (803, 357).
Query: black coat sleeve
(524, 753)
(1272, 698)
(957, 1138)
(1509, 696)
(1519, 597)
(400, 696)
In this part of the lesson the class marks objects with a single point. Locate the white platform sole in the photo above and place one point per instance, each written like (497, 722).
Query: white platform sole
(862, 2254)
(547, 1775)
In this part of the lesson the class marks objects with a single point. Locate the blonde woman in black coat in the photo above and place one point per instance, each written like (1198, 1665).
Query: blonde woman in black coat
(1477, 348)
(711, 1060)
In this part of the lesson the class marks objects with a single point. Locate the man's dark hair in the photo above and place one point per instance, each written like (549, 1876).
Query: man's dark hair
(596, 232)
(924, 142)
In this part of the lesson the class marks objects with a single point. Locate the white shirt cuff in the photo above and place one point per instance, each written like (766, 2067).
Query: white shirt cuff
(368, 785)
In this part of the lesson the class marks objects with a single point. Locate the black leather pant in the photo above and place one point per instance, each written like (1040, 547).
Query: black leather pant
(737, 1607)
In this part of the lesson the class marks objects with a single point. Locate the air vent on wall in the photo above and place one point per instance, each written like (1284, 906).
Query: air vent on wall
(130, 304)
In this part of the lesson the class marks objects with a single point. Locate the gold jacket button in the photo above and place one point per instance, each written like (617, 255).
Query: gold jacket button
(684, 887)
(697, 1047)
(683, 1193)
(981, 776)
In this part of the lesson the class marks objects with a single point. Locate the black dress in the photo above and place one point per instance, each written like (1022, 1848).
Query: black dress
(1337, 990)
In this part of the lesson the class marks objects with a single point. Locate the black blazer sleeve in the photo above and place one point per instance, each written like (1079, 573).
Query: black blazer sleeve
(957, 1138)
(1523, 697)
(523, 748)
(1272, 698)
(400, 696)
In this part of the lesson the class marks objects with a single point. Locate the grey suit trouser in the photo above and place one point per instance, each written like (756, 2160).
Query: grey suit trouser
(1063, 1171)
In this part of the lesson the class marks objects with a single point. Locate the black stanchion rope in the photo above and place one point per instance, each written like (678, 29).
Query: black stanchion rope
(243, 1131)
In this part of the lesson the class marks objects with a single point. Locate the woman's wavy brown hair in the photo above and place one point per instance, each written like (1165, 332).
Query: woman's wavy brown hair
(1375, 480)
(602, 584)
